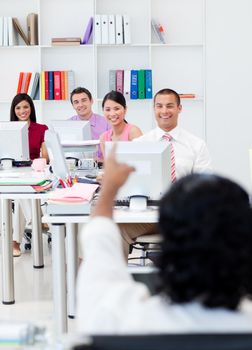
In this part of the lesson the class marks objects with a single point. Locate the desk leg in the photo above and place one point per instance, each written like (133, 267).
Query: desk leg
(37, 239)
(7, 258)
(72, 265)
(59, 278)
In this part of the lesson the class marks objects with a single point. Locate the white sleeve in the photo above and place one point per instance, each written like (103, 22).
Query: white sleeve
(203, 161)
(105, 291)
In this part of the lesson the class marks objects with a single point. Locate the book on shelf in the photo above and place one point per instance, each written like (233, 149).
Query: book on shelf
(46, 73)
(71, 82)
(5, 32)
(51, 85)
(42, 85)
(134, 84)
(141, 84)
(158, 29)
(119, 29)
(35, 87)
(1, 31)
(119, 80)
(126, 30)
(57, 85)
(66, 41)
(97, 29)
(104, 29)
(20, 31)
(111, 29)
(12, 33)
(126, 83)
(87, 38)
(112, 79)
(32, 26)
(148, 83)
(67, 94)
(20, 79)
(187, 95)
(62, 85)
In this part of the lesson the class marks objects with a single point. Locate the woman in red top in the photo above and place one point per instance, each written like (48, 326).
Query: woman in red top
(22, 109)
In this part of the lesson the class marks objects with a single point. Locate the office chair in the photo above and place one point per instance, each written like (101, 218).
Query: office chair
(197, 341)
(149, 246)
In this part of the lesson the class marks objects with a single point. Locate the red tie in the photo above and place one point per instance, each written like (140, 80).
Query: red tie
(168, 137)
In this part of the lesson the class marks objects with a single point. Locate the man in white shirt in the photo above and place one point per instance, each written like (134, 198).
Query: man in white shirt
(191, 153)
(205, 263)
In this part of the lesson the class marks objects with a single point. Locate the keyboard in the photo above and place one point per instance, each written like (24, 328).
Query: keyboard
(125, 203)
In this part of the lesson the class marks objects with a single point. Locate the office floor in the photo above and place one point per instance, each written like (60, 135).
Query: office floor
(33, 291)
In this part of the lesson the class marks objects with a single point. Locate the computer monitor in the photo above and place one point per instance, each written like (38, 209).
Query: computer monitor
(71, 130)
(153, 170)
(56, 155)
(14, 141)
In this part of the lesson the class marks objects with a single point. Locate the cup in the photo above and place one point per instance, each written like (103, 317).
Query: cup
(6, 163)
(70, 164)
(38, 164)
(87, 164)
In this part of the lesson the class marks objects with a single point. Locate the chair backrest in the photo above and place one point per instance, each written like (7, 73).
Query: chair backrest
(217, 341)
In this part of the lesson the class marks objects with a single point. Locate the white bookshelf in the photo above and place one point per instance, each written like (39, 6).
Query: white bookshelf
(179, 64)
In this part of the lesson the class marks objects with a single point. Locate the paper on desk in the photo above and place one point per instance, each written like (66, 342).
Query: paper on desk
(79, 192)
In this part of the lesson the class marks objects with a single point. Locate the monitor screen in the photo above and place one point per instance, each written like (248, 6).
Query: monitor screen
(56, 155)
(71, 130)
(14, 141)
(153, 170)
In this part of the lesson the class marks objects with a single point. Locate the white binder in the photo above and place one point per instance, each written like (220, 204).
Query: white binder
(5, 32)
(97, 29)
(104, 29)
(119, 30)
(126, 30)
(1, 30)
(111, 25)
(126, 84)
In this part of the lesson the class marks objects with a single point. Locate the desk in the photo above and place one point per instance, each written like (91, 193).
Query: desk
(8, 295)
(60, 281)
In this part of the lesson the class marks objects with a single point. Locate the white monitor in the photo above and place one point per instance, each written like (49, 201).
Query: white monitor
(56, 155)
(71, 130)
(153, 170)
(14, 141)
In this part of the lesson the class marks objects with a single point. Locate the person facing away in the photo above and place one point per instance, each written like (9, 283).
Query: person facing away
(82, 101)
(205, 267)
(115, 109)
(22, 109)
(190, 153)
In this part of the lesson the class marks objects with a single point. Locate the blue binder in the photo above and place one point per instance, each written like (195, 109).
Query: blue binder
(148, 83)
(51, 85)
(134, 85)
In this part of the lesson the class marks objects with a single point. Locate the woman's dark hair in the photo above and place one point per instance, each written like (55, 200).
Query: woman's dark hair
(16, 100)
(206, 224)
(115, 96)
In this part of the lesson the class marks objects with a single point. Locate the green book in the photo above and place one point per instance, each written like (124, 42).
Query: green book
(141, 84)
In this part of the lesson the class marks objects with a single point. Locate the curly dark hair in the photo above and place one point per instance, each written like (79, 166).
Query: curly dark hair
(16, 100)
(206, 223)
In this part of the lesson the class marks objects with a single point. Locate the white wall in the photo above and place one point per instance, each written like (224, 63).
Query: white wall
(229, 86)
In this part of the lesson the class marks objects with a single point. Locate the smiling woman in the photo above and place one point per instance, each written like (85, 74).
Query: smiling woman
(114, 109)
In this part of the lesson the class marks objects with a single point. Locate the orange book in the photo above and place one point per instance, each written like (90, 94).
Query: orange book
(20, 79)
(66, 85)
(27, 82)
(62, 85)
(46, 85)
(57, 89)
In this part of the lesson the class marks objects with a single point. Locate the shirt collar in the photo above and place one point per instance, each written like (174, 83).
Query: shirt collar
(174, 133)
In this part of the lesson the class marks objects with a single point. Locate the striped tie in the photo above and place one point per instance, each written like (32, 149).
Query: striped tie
(168, 137)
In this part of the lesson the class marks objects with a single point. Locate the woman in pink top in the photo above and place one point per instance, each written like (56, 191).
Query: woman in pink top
(114, 109)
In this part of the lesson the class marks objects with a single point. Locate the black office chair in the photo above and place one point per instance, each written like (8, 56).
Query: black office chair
(217, 341)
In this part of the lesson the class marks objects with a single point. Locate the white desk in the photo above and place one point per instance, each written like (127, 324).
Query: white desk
(8, 295)
(61, 284)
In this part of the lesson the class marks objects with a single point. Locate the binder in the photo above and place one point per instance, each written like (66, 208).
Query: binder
(134, 85)
(1, 30)
(141, 84)
(20, 80)
(51, 85)
(126, 84)
(32, 25)
(88, 32)
(97, 27)
(62, 85)
(104, 29)
(148, 83)
(35, 86)
(126, 30)
(22, 90)
(119, 29)
(67, 94)
(57, 85)
(5, 32)
(111, 25)
(112, 80)
(119, 80)
(31, 84)
(12, 34)
(71, 81)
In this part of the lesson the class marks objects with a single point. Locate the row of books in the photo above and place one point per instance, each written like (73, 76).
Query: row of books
(112, 29)
(133, 84)
(10, 28)
(47, 85)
